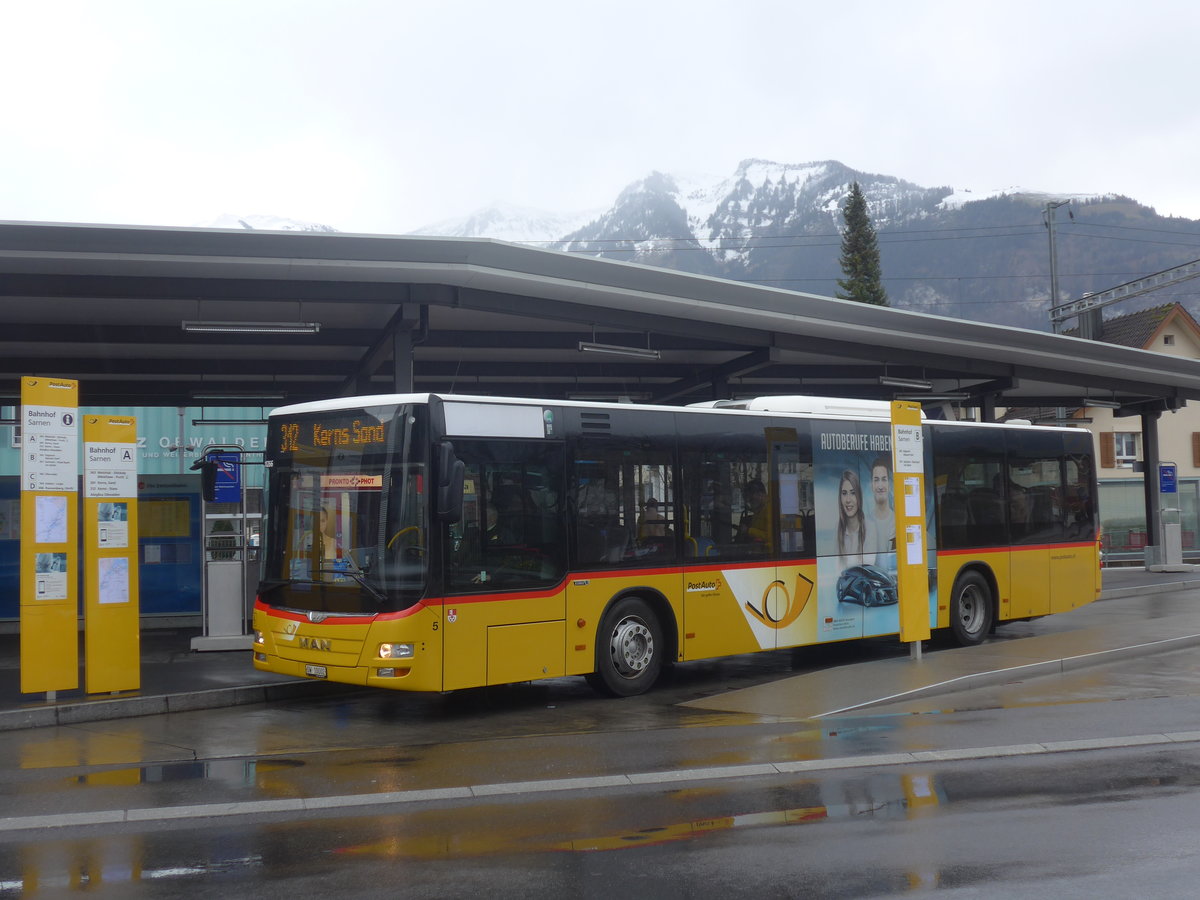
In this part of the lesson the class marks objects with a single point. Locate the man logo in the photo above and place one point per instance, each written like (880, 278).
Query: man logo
(307, 643)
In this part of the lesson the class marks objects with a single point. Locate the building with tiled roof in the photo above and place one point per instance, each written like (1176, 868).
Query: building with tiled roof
(1169, 329)
(1140, 329)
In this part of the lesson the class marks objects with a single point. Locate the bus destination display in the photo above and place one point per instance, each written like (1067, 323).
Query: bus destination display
(366, 434)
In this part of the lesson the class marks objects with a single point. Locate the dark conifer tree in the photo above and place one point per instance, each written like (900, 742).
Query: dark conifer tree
(860, 254)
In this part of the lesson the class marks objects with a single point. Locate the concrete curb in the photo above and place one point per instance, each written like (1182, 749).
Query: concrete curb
(1029, 670)
(1144, 589)
(76, 713)
(367, 804)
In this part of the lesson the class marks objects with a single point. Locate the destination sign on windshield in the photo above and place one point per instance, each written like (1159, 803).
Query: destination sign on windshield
(363, 433)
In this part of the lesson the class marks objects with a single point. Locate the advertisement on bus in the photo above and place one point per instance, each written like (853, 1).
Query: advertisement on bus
(856, 531)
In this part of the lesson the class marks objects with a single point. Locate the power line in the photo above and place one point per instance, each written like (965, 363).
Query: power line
(1039, 276)
(1112, 237)
(885, 239)
(882, 233)
(1078, 223)
(822, 234)
(825, 239)
(754, 243)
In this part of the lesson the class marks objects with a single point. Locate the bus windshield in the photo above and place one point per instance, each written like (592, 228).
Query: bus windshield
(347, 511)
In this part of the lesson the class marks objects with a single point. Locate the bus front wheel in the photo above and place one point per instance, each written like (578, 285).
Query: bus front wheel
(971, 609)
(629, 648)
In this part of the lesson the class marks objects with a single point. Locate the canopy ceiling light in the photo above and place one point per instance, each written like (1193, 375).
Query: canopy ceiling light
(238, 395)
(258, 421)
(618, 350)
(252, 327)
(913, 384)
(945, 396)
(1101, 404)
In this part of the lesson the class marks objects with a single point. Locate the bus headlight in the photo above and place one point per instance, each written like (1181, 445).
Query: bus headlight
(395, 651)
(259, 638)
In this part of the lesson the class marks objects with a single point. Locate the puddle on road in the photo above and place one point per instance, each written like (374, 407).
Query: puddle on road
(577, 823)
(236, 772)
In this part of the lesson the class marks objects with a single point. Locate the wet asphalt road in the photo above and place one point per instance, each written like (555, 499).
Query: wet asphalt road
(1121, 825)
(1064, 824)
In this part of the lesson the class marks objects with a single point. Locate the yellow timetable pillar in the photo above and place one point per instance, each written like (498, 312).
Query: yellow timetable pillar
(49, 530)
(112, 640)
(912, 574)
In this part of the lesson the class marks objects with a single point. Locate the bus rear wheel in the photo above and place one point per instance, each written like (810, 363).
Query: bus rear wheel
(629, 648)
(971, 609)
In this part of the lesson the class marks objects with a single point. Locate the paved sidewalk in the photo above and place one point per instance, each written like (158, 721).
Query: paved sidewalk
(173, 678)
(1139, 612)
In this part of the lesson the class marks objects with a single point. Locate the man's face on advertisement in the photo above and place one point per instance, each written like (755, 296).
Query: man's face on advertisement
(879, 484)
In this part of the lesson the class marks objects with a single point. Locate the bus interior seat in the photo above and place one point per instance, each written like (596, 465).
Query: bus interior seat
(954, 516)
(1041, 507)
(600, 542)
(984, 505)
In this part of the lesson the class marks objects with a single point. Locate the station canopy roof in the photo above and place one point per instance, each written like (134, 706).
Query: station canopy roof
(107, 305)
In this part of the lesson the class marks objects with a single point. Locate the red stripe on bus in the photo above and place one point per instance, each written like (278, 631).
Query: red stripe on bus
(451, 599)
(335, 619)
(1017, 548)
(767, 564)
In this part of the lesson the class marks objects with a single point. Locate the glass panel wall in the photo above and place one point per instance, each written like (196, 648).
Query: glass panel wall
(1123, 518)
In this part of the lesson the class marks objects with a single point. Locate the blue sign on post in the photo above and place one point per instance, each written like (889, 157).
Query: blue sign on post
(228, 486)
(1166, 479)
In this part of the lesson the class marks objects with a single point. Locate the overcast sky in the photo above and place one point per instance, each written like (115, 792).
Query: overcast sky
(385, 115)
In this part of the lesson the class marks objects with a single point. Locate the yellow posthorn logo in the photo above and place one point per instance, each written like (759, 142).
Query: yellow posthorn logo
(778, 609)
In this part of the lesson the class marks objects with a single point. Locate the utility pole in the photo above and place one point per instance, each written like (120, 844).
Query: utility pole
(1049, 219)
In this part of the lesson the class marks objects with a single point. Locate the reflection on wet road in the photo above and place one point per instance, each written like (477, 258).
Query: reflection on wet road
(870, 832)
(803, 833)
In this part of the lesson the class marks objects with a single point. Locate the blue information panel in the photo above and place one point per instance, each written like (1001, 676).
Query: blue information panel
(228, 487)
(1166, 479)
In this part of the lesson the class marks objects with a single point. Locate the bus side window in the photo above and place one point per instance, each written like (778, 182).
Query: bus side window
(512, 535)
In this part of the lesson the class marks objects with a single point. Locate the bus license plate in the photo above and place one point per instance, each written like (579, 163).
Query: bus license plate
(316, 671)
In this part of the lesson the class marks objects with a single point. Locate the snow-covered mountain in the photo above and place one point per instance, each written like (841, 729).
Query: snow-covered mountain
(967, 253)
(974, 254)
(507, 222)
(264, 223)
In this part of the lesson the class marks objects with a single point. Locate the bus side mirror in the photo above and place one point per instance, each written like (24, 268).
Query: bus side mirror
(208, 478)
(450, 472)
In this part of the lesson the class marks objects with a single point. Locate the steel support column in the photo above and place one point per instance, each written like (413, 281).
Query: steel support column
(1150, 463)
(402, 358)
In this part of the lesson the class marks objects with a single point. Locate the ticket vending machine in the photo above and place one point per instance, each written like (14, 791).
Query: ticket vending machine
(230, 551)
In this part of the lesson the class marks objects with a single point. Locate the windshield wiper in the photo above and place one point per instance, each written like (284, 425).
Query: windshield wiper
(380, 596)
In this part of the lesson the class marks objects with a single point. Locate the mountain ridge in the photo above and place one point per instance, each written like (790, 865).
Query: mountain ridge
(981, 255)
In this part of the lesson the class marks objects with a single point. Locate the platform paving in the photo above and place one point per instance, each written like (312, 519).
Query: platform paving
(1139, 612)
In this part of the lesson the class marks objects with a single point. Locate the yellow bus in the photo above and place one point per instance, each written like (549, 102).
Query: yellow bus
(433, 542)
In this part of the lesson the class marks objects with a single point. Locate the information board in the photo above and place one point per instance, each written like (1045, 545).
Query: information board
(112, 657)
(49, 534)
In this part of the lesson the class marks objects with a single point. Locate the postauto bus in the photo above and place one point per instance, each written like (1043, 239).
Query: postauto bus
(432, 542)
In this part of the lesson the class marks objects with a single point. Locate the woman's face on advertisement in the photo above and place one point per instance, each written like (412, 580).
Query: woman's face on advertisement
(849, 498)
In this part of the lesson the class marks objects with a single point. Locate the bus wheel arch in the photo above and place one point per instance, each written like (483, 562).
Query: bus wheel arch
(972, 605)
(633, 641)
